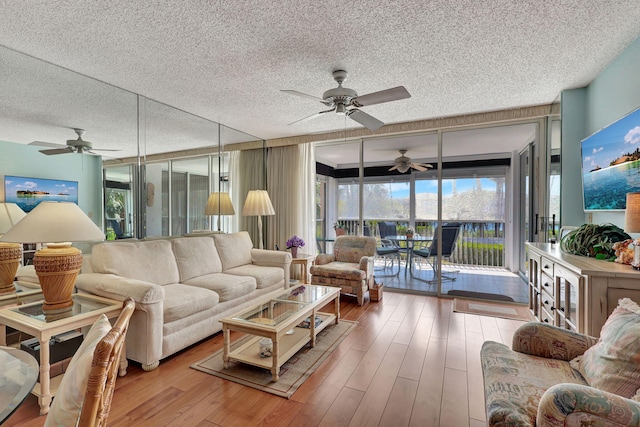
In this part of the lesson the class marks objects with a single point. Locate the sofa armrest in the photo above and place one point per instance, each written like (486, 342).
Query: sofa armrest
(540, 339)
(324, 259)
(270, 258)
(576, 404)
(117, 287)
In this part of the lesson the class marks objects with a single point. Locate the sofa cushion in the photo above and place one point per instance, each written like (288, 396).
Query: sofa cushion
(613, 363)
(339, 270)
(227, 286)
(150, 261)
(196, 256)
(265, 276)
(515, 382)
(234, 249)
(181, 301)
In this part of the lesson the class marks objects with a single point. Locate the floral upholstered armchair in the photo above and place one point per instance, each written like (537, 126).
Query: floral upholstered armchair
(349, 268)
(555, 377)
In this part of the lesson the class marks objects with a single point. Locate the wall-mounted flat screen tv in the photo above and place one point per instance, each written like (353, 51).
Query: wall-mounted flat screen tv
(29, 192)
(611, 164)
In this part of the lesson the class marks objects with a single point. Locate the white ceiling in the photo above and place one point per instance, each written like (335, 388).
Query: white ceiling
(227, 61)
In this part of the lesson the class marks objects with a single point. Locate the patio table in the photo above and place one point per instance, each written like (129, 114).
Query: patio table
(411, 243)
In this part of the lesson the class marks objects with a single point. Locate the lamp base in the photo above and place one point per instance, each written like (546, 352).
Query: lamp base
(10, 255)
(57, 267)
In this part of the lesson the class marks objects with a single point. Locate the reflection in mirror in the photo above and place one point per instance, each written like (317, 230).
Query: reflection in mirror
(118, 202)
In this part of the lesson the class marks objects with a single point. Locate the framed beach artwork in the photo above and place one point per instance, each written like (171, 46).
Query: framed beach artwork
(611, 164)
(29, 192)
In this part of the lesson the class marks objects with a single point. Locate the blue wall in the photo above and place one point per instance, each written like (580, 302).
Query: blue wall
(25, 160)
(612, 95)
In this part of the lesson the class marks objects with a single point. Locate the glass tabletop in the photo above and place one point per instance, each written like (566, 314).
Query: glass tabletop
(81, 304)
(271, 313)
(18, 374)
(305, 294)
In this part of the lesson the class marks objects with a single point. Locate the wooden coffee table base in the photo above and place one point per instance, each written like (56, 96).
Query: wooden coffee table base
(287, 337)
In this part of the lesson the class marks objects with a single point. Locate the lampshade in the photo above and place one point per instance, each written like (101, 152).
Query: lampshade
(258, 203)
(10, 253)
(219, 204)
(54, 222)
(58, 264)
(10, 214)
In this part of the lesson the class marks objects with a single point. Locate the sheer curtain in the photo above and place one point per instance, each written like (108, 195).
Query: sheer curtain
(246, 170)
(291, 181)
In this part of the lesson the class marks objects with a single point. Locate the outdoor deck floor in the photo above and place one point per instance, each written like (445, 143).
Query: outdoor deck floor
(493, 281)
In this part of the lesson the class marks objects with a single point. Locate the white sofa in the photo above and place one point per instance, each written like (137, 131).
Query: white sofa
(182, 286)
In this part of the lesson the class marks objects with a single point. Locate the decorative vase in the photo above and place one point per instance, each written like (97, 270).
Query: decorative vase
(409, 236)
(340, 232)
(294, 251)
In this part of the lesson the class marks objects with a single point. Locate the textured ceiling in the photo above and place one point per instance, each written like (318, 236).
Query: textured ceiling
(227, 61)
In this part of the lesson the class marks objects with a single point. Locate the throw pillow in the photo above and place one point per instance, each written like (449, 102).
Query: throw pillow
(613, 363)
(67, 403)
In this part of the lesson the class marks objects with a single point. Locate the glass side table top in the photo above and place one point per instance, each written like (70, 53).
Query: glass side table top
(305, 293)
(18, 374)
(81, 304)
(270, 313)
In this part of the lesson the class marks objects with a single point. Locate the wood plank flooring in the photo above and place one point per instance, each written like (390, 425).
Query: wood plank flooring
(410, 361)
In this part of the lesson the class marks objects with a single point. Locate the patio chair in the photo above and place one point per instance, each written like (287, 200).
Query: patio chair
(349, 268)
(450, 234)
(387, 251)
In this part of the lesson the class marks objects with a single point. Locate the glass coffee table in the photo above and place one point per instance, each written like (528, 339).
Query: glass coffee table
(32, 320)
(290, 321)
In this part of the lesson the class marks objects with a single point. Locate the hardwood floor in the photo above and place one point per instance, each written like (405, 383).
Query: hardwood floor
(410, 361)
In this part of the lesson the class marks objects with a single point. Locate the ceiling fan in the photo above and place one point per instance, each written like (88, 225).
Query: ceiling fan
(404, 163)
(342, 100)
(73, 146)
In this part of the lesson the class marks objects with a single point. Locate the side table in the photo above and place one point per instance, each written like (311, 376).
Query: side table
(304, 261)
(30, 319)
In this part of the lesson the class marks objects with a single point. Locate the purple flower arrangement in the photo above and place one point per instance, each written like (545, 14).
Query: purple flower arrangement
(294, 242)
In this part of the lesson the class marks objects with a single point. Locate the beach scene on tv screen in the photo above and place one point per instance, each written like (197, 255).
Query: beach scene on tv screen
(611, 164)
(29, 192)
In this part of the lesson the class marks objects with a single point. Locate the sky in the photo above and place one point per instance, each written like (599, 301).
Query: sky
(14, 183)
(400, 190)
(606, 145)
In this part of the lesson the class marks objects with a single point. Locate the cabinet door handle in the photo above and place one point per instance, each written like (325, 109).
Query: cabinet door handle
(546, 267)
(562, 309)
(552, 308)
(545, 284)
(546, 320)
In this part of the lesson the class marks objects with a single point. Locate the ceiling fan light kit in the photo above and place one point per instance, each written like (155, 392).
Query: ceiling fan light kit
(342, 100)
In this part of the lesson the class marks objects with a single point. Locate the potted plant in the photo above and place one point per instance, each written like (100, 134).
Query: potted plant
(341, 228)
(294, 243)
(409, 233)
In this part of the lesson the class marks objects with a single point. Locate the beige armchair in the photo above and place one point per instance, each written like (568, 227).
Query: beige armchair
(349, 268)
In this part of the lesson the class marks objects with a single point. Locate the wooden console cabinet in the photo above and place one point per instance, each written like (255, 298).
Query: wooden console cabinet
(575, 292)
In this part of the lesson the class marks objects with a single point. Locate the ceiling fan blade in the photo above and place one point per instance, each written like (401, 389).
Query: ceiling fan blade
(313, 116)
(102, 149)
(46, 144)
(57, 151)
(393, 168)
(418, 167)
(386, 95)
(365, 119)
(304, 95)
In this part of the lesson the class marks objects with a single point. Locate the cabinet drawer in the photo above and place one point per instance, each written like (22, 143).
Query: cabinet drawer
(547, 284)
(546, 266)
(547, 302)
(546, 317)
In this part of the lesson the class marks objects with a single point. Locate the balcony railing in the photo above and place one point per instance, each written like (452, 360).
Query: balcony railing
(479, 243)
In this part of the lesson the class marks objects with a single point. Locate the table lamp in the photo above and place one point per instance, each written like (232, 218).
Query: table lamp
(57, 264)
(632, 224)
(10, 253)
(219, 204)
(257, 204)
